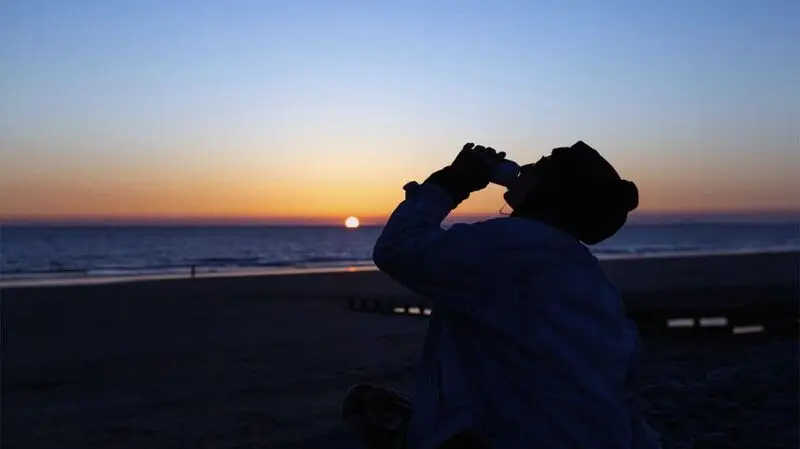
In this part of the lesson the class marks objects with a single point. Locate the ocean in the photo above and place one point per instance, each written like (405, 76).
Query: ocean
(71, 252)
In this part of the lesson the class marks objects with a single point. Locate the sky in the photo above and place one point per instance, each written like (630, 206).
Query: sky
(312, 111)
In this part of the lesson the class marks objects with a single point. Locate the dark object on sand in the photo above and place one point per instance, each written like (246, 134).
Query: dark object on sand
(376, 415)
(379, 417)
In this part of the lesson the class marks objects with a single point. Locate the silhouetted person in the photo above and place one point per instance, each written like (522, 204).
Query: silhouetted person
(527, 345)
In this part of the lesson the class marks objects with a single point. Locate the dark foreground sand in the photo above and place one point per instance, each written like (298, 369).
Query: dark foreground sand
(263, 363)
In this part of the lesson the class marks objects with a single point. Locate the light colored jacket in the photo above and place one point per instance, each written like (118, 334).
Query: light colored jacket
(527, 345)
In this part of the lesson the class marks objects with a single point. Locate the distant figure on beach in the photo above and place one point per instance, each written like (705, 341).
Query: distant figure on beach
(528, 345)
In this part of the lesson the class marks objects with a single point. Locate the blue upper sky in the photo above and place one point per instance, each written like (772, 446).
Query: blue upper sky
(696, 100)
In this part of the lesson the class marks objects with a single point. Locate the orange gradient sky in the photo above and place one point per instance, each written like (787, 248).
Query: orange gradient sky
(365, 183)
(300, 114)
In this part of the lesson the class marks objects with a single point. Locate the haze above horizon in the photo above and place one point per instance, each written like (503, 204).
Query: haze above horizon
(310, 112)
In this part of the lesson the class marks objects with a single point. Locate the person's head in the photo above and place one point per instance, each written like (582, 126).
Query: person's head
(576, 190)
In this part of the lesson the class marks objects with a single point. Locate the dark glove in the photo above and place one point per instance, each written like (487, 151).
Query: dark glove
(469, 172)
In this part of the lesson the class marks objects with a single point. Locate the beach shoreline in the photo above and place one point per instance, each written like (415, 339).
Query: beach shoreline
(33, 280)
(631, 276)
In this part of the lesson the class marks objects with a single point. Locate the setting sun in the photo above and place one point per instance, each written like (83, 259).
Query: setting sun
(351, 223)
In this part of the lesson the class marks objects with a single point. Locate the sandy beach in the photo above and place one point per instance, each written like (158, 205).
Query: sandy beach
(264, 361)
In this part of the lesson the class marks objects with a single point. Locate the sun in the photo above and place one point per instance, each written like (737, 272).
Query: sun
(351, 223)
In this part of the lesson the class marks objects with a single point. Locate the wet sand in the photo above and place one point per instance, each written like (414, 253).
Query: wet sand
(264, 361)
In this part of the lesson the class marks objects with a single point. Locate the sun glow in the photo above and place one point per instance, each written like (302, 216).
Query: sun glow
(351, 223)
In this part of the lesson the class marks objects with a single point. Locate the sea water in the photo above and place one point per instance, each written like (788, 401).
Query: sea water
(50, 252)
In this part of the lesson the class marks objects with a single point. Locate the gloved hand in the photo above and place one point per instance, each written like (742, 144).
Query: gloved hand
(469, 172)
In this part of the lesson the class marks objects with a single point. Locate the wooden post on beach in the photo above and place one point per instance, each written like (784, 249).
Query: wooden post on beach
(194, 271)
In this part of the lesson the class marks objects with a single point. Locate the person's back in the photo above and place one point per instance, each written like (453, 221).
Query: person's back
(528, 345)
(507, 350)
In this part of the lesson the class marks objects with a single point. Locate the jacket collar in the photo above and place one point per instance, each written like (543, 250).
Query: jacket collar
(513, 232)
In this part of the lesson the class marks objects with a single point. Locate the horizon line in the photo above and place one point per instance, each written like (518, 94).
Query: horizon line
(368, 221)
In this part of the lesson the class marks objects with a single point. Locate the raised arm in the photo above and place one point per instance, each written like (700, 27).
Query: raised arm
(413, 248)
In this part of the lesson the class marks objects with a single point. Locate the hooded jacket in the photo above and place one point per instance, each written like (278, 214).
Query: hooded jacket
(528, 345)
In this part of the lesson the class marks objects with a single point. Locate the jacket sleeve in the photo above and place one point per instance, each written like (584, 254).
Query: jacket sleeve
(417, 252)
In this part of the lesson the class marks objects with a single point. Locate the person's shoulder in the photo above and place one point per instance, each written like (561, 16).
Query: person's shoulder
(493, 228)
(528, 233)
(528, 228)
(496, 223)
